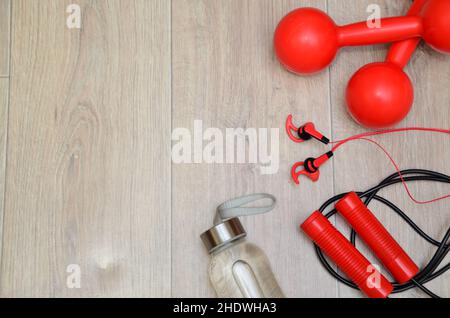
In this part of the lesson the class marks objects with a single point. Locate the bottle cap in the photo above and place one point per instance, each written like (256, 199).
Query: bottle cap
(222, 234)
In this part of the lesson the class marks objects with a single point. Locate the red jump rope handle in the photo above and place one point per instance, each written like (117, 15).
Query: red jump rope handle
(346, 256)
(373, 233)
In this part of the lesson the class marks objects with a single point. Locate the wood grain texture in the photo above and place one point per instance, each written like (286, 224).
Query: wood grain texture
(89, 179)
(410, 150)
(4, 93)
(4, 37)
(225, 73)
(89, 150)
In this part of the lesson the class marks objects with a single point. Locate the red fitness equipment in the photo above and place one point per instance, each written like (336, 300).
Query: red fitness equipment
(311, 165)
(307, 39)
(375, 235)
(346, 256)
(305, 132)
(380, 95)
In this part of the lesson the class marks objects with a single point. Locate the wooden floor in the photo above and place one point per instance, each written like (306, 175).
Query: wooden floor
(86, 117)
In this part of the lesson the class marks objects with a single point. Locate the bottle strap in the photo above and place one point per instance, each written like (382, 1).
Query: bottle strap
(236, 207)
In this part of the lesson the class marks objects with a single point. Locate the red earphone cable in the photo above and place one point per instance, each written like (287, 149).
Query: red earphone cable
(364, 136)
(387, 131)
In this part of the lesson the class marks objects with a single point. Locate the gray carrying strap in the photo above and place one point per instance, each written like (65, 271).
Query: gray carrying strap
(236, 207)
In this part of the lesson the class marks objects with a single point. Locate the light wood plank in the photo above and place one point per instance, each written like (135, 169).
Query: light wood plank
(360, 165)
(4, 37)
(225, 73)
(89, 150)
(4, 92)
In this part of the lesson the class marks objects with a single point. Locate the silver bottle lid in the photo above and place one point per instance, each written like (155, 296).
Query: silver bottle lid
(222, 234)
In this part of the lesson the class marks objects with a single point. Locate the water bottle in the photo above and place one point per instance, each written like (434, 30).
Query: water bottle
(239, 269)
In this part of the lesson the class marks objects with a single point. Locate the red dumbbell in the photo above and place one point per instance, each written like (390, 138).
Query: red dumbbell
(380, 95)
(307, 40)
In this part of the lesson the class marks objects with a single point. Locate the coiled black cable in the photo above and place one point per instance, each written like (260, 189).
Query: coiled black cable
(427, 273)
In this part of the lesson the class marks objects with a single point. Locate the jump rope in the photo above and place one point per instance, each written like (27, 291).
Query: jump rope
(379, 95)
(431, 270)
(364, 223)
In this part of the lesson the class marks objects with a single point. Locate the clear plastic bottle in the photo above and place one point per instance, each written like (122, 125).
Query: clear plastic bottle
(238, 269)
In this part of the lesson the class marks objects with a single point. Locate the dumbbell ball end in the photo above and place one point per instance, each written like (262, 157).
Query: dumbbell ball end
(305, 41)
(436, 25)
(379, 95)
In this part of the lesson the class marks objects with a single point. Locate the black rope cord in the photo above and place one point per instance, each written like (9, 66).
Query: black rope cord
(427, 273)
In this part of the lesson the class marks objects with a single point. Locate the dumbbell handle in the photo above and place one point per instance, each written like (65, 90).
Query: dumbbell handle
(400, 52)
(346, 256)
(374, 234)
(392, 30)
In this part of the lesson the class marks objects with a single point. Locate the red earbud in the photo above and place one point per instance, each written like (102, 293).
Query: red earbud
(308, 131)
(310, 168)
(311, 165)
(380, 95)
(304, 133)
(307, 40)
